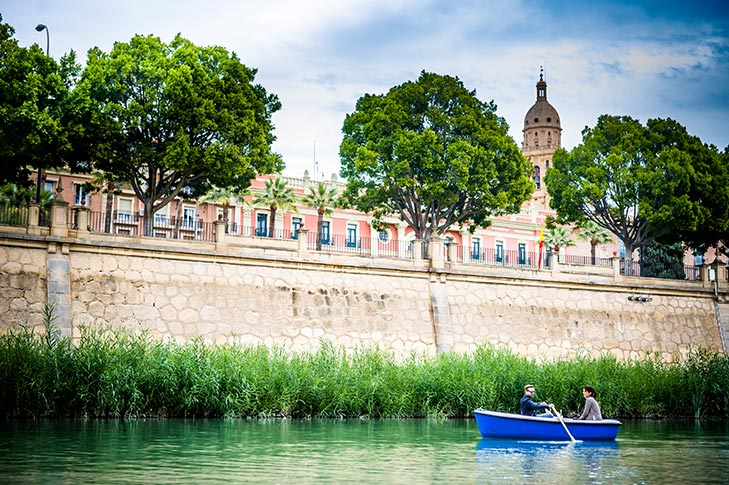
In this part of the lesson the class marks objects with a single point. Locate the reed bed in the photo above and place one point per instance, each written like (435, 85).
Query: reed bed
(114, 373)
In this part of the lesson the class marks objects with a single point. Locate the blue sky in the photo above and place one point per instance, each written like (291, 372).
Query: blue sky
(643, 59)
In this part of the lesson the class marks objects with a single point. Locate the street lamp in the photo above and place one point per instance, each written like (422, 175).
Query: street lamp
(41, 28)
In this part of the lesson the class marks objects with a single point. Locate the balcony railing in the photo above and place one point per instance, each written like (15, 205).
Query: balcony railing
(132, 224)
(13, 216)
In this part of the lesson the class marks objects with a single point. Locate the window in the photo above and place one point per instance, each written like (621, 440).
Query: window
(50, 186)
(476, 248)
(499, 251)
(124, 214)
(262, 225)
(522, 253)
(698, 259)
(547, 164)
(351, 235)
(295, 226)
(325, 232)
(80, 197)
(188, 216)
(161, 219)
(384, 236)
(537, 177)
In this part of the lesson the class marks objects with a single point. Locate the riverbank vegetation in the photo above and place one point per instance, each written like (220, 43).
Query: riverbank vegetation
(113, 373)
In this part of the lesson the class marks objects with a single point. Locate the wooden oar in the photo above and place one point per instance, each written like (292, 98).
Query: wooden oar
(559, 416)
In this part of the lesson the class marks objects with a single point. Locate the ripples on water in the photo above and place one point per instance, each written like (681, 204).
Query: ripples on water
(353, 451)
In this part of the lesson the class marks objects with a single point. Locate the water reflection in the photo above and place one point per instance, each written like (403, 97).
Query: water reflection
(350, 451)
(543, 462)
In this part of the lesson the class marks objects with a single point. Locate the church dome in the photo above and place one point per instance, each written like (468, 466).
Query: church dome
(541, 123)
(542, 114)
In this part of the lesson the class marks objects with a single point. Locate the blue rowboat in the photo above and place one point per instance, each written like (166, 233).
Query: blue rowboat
(493, 424)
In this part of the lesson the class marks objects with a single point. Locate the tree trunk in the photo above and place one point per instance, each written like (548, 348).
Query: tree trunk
(148, 219)
(593, 250)
(178, 217)
(272, 226)
(628, 260)
(318, 230)
(109, 206)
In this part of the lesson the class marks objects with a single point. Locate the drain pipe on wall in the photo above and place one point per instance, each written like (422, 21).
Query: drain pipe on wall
(712, 277)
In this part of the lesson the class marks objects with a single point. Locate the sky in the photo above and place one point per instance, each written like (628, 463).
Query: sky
(651, 59)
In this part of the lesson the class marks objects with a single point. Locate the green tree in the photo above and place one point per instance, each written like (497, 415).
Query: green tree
(662, 260)
(596, 235)
(278, 195)
(709, 184)
(557, 237)
(42, 123)
(433, 153)
(324, 199)
(627, 179)
(177, 116)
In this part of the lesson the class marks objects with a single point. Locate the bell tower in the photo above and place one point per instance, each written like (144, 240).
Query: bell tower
(542, 136)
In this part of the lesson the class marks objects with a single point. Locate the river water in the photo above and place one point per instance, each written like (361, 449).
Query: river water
(350, 451)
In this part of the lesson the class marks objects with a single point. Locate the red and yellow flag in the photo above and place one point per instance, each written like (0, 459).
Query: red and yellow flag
(541, 246)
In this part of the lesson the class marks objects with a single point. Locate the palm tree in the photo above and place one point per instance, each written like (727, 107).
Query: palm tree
(14, 202)
(596, 234)
(278, 195)
(109, 184)
(323, 198)
(225, 196)
(558, 237)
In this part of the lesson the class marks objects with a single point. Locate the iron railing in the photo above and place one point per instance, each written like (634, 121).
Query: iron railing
(132, 224)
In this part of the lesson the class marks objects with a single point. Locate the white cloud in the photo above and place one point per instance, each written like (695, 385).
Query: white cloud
(320, 56)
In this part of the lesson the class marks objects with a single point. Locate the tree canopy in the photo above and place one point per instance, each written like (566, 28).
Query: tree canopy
(642, 183)
(41, 122)
(708, 187)
(432, 152)
(177, 116)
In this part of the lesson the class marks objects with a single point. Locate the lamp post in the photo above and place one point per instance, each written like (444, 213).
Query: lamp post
(41, 28)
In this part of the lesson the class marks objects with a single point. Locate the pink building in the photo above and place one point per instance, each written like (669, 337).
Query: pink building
(512, 239)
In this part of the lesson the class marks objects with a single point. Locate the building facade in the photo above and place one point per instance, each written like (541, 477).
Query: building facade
(510, 239)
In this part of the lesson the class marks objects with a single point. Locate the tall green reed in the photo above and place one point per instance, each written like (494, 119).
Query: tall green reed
(117, 373)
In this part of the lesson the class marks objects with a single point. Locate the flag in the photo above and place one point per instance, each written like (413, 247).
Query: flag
(541, 246)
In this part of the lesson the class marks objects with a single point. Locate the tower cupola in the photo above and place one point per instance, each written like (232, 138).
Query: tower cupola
(542, 136)
(542, 127)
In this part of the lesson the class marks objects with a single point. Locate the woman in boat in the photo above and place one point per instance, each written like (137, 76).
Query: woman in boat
(592, 408)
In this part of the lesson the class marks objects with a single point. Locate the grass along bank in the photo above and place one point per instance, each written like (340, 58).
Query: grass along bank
(112, 373)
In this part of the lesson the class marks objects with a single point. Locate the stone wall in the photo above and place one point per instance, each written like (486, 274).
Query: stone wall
(561, 317)
(226, 293)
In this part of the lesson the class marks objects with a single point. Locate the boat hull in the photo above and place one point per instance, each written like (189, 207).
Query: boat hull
(493, 424)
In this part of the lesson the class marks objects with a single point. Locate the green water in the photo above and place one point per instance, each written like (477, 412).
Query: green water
(330, 451)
